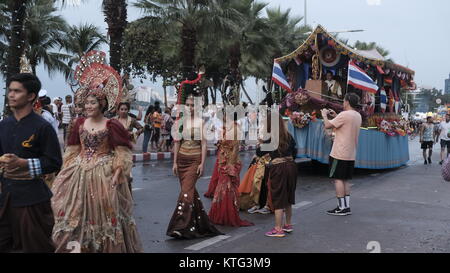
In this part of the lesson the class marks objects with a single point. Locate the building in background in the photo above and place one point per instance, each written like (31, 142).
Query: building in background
(418, 101)
(447, 85)
(146, 94)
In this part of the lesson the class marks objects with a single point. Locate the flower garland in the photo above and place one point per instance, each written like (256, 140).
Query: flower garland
(393, 126)
(300, 119)
(182, 95)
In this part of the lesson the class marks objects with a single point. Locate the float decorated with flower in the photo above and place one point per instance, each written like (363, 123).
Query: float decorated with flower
(319, 73)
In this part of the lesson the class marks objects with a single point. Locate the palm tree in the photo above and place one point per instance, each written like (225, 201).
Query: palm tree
(81, 39)
(289, 33)
(17, 12)
(45, 32)
(116, 17)
(252, 43)
(196, 20)
(368, 46)
(3, 36)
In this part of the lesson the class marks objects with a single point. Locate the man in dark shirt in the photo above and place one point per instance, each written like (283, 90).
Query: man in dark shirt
(29, 149)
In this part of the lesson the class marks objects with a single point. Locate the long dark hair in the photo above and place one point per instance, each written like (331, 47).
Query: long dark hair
(150, 110)
(124, 103)
(284, 139)
(283, 134)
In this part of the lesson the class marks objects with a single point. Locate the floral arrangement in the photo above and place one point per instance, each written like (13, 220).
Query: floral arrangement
(300, 119)
(293, 101)
(393, 126)
(301, 98)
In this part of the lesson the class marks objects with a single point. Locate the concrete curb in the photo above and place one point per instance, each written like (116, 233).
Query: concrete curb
(169, 155)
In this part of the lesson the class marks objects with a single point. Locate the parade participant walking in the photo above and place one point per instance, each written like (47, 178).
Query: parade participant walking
(282, 181)
(225, 205)
(92, 203)
(253, 187)
(29, 148)
(343, 153)
(128, 122)
(189, 219)
(214, 178)
(427, 135)
(444, 135)
(216, 128)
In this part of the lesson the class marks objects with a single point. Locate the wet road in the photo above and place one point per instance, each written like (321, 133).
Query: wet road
(401, 210)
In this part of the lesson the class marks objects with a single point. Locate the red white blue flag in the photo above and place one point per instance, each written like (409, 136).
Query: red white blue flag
(359, 79)
(279, 78)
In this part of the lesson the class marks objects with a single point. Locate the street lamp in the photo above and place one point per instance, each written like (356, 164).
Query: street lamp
(306, 23)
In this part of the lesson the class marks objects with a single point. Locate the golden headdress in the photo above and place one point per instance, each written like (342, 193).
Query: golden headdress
(98, 79)
(25, 66)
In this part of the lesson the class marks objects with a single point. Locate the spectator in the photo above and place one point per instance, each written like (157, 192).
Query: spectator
(343, 153)
(157, 120)
(166, 128)
(68, 112)
(47, 113)
(148, 128)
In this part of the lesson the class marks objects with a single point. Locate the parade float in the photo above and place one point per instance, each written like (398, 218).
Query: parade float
(319, 73)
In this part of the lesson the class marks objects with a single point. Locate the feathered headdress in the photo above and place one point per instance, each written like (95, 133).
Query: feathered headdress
(98, 79)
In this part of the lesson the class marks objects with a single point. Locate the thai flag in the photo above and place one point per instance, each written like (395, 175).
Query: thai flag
(279, 78)
(359, 79)
(383, 100)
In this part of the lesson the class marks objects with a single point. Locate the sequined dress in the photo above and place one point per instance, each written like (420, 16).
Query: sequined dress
(189, 219)
(88, 209)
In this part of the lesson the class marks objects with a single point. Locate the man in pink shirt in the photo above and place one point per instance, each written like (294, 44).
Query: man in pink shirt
(343, 153)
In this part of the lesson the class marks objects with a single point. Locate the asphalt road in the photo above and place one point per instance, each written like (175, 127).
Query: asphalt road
(400, 210)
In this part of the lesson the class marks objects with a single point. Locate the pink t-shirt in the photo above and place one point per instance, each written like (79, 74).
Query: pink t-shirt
(347, 125)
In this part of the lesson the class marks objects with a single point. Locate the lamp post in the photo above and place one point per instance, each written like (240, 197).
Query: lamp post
(306, 22)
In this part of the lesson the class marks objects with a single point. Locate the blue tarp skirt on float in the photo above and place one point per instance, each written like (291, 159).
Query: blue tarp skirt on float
(376, 150)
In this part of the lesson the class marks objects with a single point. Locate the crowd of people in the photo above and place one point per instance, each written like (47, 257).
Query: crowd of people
(157, 128)
(432, 133)
(88, 199)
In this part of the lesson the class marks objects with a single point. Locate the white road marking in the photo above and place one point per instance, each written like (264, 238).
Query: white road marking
(207, 243)
(137, 189)
(301, 204)
(206, 177)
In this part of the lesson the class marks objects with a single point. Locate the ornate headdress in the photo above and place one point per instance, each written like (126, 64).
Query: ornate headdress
(190, 86)
(25, 66)
(98, 79)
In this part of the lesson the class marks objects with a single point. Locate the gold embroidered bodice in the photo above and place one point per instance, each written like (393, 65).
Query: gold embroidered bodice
(228, 152)
(94, 145)
(191, 146)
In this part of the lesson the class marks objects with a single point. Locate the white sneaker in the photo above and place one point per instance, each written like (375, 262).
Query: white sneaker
(253, 209)
(264, 210)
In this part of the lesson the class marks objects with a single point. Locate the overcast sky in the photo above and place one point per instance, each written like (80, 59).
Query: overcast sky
(416, 32)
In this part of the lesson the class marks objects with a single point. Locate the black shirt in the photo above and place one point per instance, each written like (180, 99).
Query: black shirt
(41, 142)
